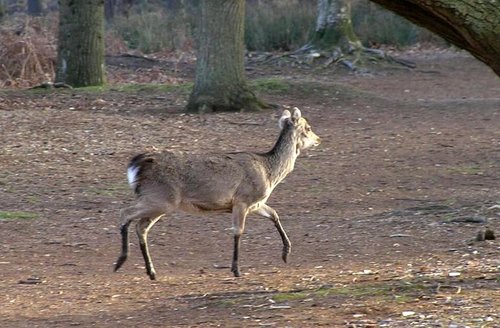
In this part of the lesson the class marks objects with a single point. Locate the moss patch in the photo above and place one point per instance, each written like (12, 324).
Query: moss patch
(465, 169)
(270, 85)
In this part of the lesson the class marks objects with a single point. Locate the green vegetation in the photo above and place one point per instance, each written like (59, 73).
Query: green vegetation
(184, 88)
(270, 85)
(218, 303)
(401, 293)
(307, 88)
(141, 87)
(465, 169)
(17, 215)
(92, 89)
(290, 296)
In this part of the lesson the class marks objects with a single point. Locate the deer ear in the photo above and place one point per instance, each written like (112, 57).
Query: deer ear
(285, 116)
(296, 113)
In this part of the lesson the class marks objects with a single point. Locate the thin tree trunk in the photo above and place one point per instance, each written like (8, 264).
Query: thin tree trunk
(2, 9)
(109, 9)
(220, 83)
(469, 24)
(80, 54)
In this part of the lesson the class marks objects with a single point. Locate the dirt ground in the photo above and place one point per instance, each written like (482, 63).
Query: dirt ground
(383, 216)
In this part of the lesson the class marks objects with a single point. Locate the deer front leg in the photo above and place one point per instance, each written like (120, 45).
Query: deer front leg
(268, 212)
(239, 216)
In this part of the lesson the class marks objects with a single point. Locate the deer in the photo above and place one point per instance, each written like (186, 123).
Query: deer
(239, 183)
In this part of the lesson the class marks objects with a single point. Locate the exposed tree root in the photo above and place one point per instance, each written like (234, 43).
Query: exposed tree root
(50, 85)
(383, 55)
(354, 60)
(232, 99)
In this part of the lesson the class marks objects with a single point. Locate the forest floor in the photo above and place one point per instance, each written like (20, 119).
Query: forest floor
(383, 216)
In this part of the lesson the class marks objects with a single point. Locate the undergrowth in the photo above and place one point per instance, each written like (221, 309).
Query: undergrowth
(27, 51)
(377, 26)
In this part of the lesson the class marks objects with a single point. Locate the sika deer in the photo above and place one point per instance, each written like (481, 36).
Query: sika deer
(238, 183)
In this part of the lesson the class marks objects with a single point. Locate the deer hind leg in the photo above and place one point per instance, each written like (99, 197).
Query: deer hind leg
(270, 213)
(142, 228)
(239, 215)
(128, 215)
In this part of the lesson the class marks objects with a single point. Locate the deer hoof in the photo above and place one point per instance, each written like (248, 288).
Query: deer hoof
(236, 272)
(152, 275)
(286, 252)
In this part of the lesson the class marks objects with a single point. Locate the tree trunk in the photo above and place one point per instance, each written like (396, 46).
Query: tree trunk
(220, 83)
(34, 7)
(80, 53)
(173, 5)
(469, 24)
(109, 9)
(2, 9)
(334, 27)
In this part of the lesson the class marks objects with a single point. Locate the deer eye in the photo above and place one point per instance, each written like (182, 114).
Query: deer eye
(308, 129)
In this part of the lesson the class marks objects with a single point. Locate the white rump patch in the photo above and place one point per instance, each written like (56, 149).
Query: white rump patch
(132, 175)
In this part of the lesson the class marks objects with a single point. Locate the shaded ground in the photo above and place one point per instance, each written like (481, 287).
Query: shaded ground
(383, 216)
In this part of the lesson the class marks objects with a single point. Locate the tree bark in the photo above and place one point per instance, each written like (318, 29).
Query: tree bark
(469, 24)
(334, 27)
(220, 83)
(35, 7)
(80, 53)
(109, 9)
(2, 9)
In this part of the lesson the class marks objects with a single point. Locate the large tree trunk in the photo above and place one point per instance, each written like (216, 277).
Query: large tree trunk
(334, 27)
(220, 83)
(469, 24)
(80, 53)
(35, 7)
(334, 36)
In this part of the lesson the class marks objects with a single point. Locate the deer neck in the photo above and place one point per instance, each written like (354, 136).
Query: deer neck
(281, 158)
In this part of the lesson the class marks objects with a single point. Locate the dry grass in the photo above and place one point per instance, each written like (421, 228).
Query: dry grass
(28, 51)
